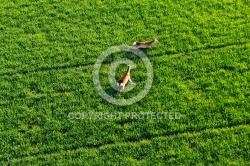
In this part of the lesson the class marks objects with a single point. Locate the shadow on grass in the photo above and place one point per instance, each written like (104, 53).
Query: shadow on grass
(112, 92)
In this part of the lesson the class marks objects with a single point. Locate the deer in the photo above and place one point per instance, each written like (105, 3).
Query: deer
(124, 79)
(145, 44)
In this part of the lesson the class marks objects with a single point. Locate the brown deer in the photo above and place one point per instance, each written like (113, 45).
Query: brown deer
(145, 44)
(124, 79)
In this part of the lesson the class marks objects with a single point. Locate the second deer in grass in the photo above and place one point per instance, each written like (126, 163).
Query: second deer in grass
(145, 44)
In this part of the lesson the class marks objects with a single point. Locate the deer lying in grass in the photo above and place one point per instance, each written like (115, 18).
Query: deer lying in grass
(124, 79)
(145, 44)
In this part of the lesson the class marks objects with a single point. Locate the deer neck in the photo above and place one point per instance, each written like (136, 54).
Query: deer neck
(128, 70)
(152, 42)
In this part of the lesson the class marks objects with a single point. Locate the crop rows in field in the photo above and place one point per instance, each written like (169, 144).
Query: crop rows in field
(63, 36)
(159, 150)
(40, 103)
(201, 70)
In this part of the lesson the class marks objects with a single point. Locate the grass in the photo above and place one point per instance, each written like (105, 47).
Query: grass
(199, 147)
(201, 69)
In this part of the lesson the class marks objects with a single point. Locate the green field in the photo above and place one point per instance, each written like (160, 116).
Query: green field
(201, 69)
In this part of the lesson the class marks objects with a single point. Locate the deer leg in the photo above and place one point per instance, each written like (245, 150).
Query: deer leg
(122, 88)
(131, 80)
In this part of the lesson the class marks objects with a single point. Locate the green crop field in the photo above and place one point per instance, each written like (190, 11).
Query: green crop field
(201, 67)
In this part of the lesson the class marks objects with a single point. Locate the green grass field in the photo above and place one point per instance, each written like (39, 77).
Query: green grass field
(201, 70)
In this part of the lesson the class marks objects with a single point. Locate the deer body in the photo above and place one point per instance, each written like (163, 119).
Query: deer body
(145, 44)
(124, 79)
